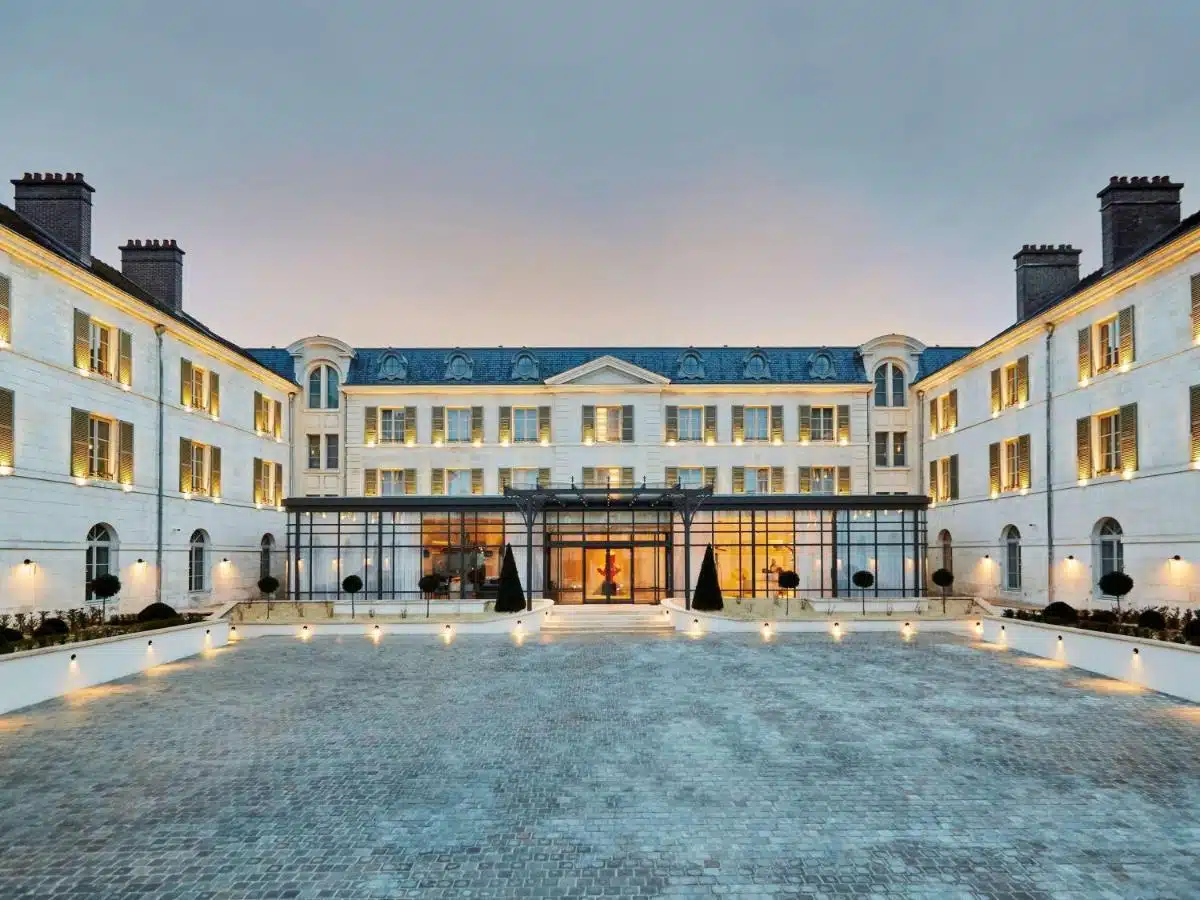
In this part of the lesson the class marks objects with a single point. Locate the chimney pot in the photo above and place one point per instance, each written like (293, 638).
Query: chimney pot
(60, 206)
(157, 267)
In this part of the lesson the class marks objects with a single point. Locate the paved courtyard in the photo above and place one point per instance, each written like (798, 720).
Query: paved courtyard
(614, 766)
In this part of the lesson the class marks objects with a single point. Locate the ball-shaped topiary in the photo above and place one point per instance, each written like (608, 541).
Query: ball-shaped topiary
(789, 581)
(1151, 618)
(352, 584)
(268, 584)
(943, 578)
(52, 627)
(1115, 584)
(429, 584)
(1059, 613)
(863, 579)
(157, 612)
(106, 585)
(10, 635)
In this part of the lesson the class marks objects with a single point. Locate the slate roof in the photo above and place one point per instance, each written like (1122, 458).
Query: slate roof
(934, 358)
(495, 365)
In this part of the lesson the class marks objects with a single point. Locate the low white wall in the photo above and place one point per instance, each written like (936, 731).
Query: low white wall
(695, 622)
(528, 622)
(1170, 668)
(35, 675)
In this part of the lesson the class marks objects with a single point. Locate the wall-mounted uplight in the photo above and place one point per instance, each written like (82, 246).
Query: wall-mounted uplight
(1137, 652)
(1176, 558)
(27, 562)
(225, 561)
(447, 634)
(987, 556)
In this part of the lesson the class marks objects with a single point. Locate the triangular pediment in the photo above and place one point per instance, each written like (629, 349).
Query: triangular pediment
(607, 370)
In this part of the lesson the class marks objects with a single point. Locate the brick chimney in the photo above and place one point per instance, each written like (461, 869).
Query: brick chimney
(60, 205)
(156, 266)
(1135, 212)
(1044, 273)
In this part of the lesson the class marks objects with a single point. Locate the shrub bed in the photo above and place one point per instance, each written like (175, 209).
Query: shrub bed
(29, 631)
(1156, 623)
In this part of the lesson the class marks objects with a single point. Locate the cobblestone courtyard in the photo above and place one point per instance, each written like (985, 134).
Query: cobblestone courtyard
(618, 766)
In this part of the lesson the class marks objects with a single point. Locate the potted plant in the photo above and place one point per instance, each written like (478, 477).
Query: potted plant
(105, 586)
(944, 579)
(1116, 585)
(707, 596)
(267, 586)
(510, 597)
(352, 584)
(863, 579)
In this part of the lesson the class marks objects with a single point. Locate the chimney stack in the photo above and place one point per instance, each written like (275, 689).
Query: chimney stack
(156, 266)
(1044, 273)
(1135, 212)
(60, 205)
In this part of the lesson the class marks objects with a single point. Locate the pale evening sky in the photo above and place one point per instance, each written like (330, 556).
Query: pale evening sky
(627, 172)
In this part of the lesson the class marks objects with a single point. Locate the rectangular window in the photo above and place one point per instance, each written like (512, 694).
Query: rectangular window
(608, 426)
(199, 381)
(458, 481)
(458, 425)
(899, 448)
(1010, 476)
(1108, 344)
(1008, 380)
(391, 483)
(1108, 444)
(690, 476)
(882, 443)
(391, 426)
(200, 457)
(824, 480)
(945, 414)
(822, 423)
(758, 479)
(100, 349)
(524, 424)
(691, 423)
(331, 451)
(524, 478)
(100, 448)
(314, 451)
(942, 487)
(756, 425)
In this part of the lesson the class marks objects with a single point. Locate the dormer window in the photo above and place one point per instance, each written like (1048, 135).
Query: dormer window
(393, 367)
(525, 367)
(691, 366)
(890, 385)
(756, 366)
(323, 382)
(459, 367)
(820, 366)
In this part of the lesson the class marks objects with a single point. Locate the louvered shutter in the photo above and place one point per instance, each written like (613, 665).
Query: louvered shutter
(997, 391)
(279, 495)
(125, 453)
(627, 424)
(504, 478)
(1129, 437)
(739, 427)
(934, 494)
(410, 424)
(125, 358)
(1024, 463)
(843, 424)
(1125, 352)
(370, 482)
(739, 479)
(544, 424)
(185, 466)
(1083, 447)
(437, 424)
(370, 425)
(214, 471)
(994, 480)
(477, 481)
(260, 424)
(1195, 408)
(672, 426)
(7, 438)
(1085, 353)
(804, 480)
(437, 482)
(185, 384)
(627, 476)
(5, 310)
(410, 481)
(214, 394)
(80, 419)
(710, 424)
(543, 477)
(278, 423)
(805, 415)
(477, 425)
(588, 433)
(952, 410)
(954, 477)
(776, 424)
(843, 479)
(504, 425)
(1023, 379)
(260, 495)
(933, 417)
(589, 477)
(83, 340)
(776, 479)
(710, 477)
(672, 475)
(1196, 308)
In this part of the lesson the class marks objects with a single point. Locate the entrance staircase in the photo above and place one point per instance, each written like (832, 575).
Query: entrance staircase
(624, 618)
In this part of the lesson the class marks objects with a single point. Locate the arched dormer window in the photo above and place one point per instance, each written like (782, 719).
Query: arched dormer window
(459, 366)
(525, 367)
(890, 385)
(323, 384)
(691, 366)
(393, 367)
(820, 366)
(756, 366)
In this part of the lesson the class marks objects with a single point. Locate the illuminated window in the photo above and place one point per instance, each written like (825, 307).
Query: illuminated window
(323, 385)
(1108, 433)
(524, 424)
(100, 349)
(822, 423)
(756, 423)
(100, 448)
(691, 423)
(1108, 344)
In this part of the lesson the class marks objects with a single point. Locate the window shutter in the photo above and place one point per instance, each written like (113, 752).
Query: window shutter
(370, 425)
(843, 424)
(672, 427)
(589, 424)
(934, 494)
(1023, 379)
(410, 481)
(83, 340)
(1085, 353)
(805, 414)
(214, 394)
(504, 425)
(7, 415)
(79, 442)
(1129, 436)
(739, 428)
(994, 481)
(370, 482)
(544, 424)
(805, 480)
(279, 496)
(6, 310)
(626, 424)
(954, 477)
(843, 480)
(1083, 447)
(672, 475)
(477, 425)
(776, 479)
(504, 478)
(589, 477)
(278, 424)
(125, 358)
(437, 424)
(776, 424)
(437, 482)
(710, 475)
(259, 423)
(952, 410)
(125, 453)
(185, 384)
(1196, 308)
(710, 424)
(933, 418)
(543, 478)
(1125, 352)
(185, 466)
(1024, 463)
(1195, 406)
(477, 481)
(259, 493)
(214, 471)
(997, 392)
(410, 424)
(739, 479)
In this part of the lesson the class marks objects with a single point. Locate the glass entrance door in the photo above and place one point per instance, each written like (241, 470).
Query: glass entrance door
(608, 575)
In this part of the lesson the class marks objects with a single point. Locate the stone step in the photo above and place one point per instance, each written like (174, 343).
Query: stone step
(624, 618)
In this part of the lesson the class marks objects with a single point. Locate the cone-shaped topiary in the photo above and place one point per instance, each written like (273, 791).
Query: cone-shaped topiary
(1152, 618)
(708, 589)
(156, 612)
(509, 596)
(1059, 613)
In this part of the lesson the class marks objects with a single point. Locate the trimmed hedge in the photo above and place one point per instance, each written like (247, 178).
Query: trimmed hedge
(52, 627)
(1152, 618)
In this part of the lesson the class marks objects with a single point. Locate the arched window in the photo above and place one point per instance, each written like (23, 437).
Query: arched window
(947, 545)
(323, 388)
(198, 561)
(1012, 558)
(1109, 548)
(100, 558)
(890, 385)
(266, 548)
